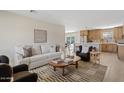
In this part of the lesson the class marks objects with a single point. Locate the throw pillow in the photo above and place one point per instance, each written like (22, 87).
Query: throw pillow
(52, 48)
(45, 49)
(85, 49)
(57, 48)
(27, 52)
(36, 50)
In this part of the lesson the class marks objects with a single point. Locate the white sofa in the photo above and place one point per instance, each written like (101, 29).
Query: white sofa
(41, 54)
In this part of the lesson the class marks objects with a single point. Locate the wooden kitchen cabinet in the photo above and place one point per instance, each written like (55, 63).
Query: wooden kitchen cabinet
(103, 47)
(109, 48)
(118, 33)
(94, 35)
(106, 47)
(115, 48)
(83, 33)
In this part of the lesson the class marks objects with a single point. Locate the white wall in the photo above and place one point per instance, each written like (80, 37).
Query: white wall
(16, 30)
(75, 34)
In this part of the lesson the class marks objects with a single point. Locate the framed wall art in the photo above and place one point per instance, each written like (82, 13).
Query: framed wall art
(40, 36)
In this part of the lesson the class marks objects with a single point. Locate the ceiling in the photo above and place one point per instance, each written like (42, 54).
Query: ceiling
(74, 20)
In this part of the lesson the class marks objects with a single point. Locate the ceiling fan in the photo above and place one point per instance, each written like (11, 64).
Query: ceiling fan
(33, 11)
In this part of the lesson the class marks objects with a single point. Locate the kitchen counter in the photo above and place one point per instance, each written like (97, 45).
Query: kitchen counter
(105, 46)
(102, 42)
(120, 52)
(120, 44)
(94, 44)
(108, 43)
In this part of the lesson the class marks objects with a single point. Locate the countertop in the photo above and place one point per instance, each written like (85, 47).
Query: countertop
(120, 44)
(101, 43)
(108, 43)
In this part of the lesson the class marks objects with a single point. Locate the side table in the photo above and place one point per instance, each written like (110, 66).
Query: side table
(95, 57)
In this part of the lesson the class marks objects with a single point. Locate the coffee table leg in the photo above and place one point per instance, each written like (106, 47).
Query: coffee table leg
(63, 71)
(76, 64)
(54, 68)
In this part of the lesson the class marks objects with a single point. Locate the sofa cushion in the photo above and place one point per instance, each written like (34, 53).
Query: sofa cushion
(54, 54)
(27, 52)
(38, 57)
(36, 50)
(25, 61)
(19, 50)
(52, 48)
(45, 49)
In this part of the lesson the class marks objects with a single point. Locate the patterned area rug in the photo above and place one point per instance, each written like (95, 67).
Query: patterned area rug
(86, 72)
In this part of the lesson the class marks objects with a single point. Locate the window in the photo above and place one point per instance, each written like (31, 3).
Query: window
(70, 40)
(108, 36)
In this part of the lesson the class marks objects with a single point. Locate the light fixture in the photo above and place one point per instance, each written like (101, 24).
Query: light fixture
(33, 11)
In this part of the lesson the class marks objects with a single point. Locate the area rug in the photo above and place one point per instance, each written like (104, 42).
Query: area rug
(86, 72)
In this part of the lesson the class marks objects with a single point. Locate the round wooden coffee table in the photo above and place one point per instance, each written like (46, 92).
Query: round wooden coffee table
(58, 65)
(62, 65)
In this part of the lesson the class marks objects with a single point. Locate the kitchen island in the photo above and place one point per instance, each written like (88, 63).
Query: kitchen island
(120, 52)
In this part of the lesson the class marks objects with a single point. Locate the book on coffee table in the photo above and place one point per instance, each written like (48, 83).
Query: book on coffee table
(68, 60)
(57, 61)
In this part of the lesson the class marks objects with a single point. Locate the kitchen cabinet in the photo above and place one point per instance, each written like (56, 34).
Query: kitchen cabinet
(120, 52)
(114, 48)
(109, 48)
(83, 33)
(103, 47)
(94, 35)
(118, 33)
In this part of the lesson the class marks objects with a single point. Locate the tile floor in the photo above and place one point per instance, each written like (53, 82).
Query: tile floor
(115, 71)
